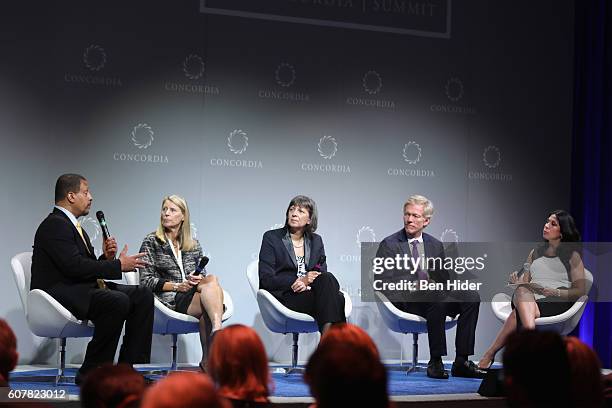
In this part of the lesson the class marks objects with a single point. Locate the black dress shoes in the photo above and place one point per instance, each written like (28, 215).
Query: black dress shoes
(435, 369)
(467, 369)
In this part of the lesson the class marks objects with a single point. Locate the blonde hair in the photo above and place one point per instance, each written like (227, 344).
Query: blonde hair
(185, 239)
(416, 199)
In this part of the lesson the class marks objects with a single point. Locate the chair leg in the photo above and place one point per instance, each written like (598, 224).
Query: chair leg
(294, 357)
(415, 354)
(173, 364)
(62, 366)
(174, 348)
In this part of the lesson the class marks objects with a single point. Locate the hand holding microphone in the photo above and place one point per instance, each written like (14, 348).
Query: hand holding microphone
(196, 276)
(109, 244)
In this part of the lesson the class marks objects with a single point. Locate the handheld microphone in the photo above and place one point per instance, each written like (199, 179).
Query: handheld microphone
(201, 266)
(319, 264)
(102, 221)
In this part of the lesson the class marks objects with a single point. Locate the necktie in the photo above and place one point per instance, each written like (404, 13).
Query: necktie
(421, 274)
(78, 227)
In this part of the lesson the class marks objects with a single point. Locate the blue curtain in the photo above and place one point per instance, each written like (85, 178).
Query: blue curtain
(591, 153)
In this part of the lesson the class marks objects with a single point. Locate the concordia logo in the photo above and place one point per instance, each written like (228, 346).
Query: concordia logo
(372, 84)
(454, 91)
(327, 148)
(491, 158)
(142, 137)
(284, 76)
(94, 59)
(449, 235)
(412, 154)
(193, 67)
(365, 234)
(237, 143)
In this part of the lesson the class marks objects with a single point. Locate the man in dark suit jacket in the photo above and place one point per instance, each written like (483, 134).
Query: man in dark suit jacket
(433, 305)
(64, 265)
(310, 289)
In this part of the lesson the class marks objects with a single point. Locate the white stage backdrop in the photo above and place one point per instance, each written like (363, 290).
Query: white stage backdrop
(356, 103)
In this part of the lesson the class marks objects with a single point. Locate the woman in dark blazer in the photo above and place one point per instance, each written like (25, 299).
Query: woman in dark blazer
(292, 266)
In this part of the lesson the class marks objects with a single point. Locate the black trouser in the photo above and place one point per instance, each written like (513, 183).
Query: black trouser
(324, 302)
(436, 312)
(108, 310)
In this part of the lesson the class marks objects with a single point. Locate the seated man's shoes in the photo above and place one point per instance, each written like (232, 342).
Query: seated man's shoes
(467, 369)
(435, 369)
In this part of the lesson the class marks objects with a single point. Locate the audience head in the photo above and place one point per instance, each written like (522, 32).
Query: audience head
(112, 386)
(183, 390)
(585, 368)
(8, 351)
(346, 373)
(350, 334)
(536, 370)
(238, 363)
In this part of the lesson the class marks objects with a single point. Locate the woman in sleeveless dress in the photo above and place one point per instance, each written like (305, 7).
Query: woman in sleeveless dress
(555, 280)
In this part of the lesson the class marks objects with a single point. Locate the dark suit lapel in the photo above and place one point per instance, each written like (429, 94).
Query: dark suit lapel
(307, 249)
(80, 243)
(289, 247)
(88, 243)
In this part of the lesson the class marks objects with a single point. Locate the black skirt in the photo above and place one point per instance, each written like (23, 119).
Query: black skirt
(182, 300)
(549, 306)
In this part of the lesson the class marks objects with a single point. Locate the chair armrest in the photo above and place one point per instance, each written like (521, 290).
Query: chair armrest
(48, 318)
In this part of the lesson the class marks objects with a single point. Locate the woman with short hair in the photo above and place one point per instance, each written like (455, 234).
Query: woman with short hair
(293, 267)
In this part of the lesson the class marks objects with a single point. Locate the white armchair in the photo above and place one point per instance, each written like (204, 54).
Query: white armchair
(280, 319)
(167, 321)
(402, 322)
(46, 317)
(563, 323)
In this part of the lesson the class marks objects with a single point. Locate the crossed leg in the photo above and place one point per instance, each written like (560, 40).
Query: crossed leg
(207, 306)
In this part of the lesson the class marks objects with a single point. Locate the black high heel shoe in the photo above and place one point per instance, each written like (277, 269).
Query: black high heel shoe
(490, 363)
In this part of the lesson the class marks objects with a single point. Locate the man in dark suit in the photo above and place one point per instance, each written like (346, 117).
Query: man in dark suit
(431, 304)
(64, 266)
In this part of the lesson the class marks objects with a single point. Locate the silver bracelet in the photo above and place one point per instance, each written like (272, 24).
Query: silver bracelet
(175, 287)
(558, 292)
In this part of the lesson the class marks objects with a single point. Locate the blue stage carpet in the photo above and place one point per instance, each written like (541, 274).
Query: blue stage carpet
(292, 385)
